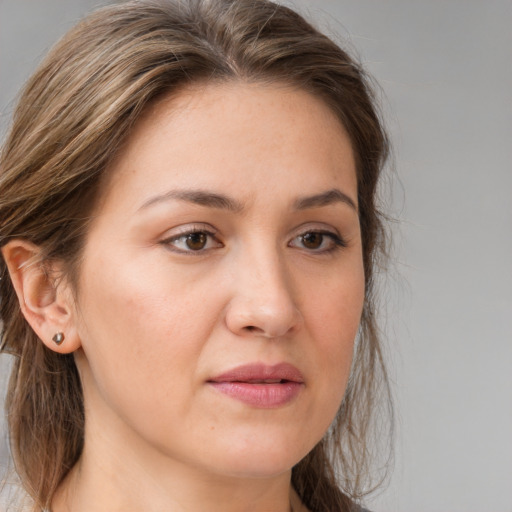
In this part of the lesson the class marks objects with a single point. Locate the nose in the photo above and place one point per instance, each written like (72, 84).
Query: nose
(263, 301)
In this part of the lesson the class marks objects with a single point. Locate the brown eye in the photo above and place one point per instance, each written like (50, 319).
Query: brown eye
(196, 241)
(312, 240)
(318, 242)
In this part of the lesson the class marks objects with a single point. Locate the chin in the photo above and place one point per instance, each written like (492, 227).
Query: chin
(262, 458)
(259, 468)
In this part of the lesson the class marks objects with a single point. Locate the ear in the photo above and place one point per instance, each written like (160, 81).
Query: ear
(46, 301)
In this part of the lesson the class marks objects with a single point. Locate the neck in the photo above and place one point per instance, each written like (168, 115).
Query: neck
(114, 474)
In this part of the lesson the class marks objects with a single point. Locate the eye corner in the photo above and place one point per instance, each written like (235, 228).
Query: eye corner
(192, 240)
(318, 241)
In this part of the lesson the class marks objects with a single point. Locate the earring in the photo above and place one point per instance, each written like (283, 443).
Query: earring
(58, 338)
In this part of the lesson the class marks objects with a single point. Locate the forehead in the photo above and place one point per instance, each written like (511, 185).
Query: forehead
(246, 134)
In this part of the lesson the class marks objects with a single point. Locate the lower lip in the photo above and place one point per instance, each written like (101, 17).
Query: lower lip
(264, 396)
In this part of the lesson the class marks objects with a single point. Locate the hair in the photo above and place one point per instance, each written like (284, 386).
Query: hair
(72, 118)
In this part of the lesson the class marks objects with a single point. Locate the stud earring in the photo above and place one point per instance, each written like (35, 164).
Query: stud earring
(58, 338)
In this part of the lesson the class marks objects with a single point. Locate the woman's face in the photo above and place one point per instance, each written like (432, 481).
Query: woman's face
(222, 281)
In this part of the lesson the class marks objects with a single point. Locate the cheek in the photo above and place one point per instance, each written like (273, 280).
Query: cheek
(335, 309)
(333, 321)
(140, 328)
(134, 299)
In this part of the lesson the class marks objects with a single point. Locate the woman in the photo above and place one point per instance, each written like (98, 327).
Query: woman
(189, 234)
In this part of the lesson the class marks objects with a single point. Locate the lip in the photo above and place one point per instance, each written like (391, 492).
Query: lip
(260, 385)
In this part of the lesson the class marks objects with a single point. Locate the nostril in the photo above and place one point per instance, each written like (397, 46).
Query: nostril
(253, 329)
(248, 317)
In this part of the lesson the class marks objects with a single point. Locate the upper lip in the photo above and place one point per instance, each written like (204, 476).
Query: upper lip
(259, 372)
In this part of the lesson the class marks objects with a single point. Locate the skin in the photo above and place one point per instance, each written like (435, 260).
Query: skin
(154, 319)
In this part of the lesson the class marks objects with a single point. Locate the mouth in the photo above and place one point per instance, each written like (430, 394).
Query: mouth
(265, 381)
(260, 386)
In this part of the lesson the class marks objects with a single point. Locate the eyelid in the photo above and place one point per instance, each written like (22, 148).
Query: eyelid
(336, 238)
(188, 229)
(337, 241)
(185, 229)
(317, 227)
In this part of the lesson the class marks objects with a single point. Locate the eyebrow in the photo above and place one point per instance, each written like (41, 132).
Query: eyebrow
(199, 197)
(325, 199)
(223, 202)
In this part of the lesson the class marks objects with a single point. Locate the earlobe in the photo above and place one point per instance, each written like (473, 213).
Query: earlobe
(45, 301)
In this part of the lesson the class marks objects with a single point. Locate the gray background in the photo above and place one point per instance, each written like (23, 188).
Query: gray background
(446, 71)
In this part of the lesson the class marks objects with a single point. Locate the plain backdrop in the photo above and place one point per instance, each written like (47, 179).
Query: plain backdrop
(445, 67)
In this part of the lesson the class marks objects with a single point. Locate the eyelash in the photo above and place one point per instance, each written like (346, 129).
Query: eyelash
(188, 233)
(337, 242)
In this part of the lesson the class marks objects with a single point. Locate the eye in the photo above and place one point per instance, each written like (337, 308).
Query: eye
(318, 241)
(196, 240)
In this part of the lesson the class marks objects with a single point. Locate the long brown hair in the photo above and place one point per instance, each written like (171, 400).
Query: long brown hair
(72, 118)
